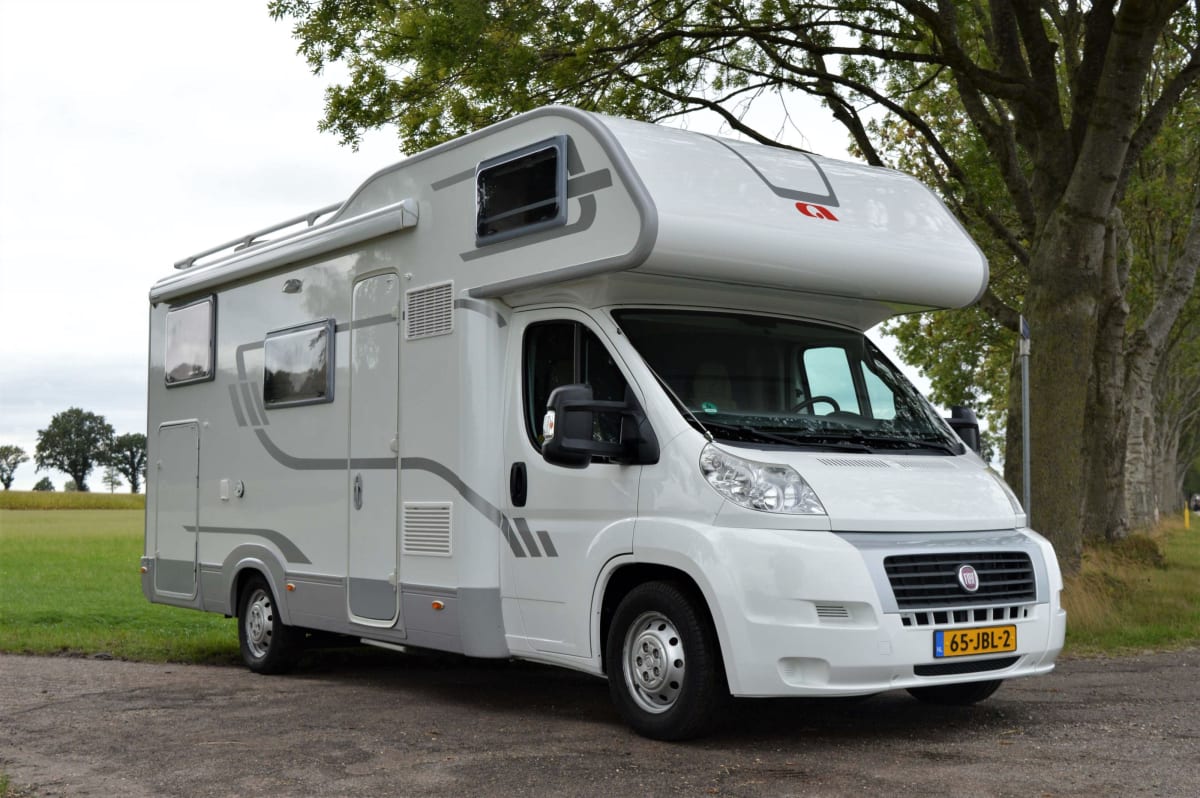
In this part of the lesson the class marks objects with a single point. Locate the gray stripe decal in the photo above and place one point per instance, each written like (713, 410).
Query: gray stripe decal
(477, 501)
(446, 182)
(527, 536)
(587, 216)
(322, 463)
(257, 394)
(547, 544)
(481, 307)
(290, 551)
(829, 198)
(237, 405)
(250, 409)
(589, 183)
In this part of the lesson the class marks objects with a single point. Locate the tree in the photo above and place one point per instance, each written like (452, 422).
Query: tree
(1060, 101)
(74, 442)
(127, 454)
(10, 457)
(111, 479)
(44, 484)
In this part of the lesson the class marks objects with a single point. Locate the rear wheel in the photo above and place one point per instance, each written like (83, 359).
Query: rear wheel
(956, 695)
(664, 669)
(268, 644)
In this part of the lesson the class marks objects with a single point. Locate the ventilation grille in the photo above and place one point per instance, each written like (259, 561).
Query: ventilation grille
(833, 612)
(920, 463)
(852, 462)
(427, 529)
(951, 618)
(931, 580)
(429, 311)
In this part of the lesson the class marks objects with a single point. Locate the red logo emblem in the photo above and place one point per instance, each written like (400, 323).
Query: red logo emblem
(815, 211)
(968, 578)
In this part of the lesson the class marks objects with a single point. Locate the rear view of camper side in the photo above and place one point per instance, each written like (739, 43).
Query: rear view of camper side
(593, 393)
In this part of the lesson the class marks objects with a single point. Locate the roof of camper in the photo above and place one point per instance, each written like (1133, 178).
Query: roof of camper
(695, 206)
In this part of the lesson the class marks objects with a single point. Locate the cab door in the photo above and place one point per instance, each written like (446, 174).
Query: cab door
(567, 522)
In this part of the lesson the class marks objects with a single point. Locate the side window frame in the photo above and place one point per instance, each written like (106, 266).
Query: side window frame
(329, 328)
(211, 374)
(557, 144)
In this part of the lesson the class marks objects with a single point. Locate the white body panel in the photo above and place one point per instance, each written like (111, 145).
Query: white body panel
(387, 507)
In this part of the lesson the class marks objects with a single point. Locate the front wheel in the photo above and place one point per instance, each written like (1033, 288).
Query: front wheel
(956, 695)
(268, 644)
(664, 668)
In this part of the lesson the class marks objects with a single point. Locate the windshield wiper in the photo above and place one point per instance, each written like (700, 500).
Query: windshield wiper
(770, 437)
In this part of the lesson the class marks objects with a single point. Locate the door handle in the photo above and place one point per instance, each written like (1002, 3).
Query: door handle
(518, 484)
(358, 491)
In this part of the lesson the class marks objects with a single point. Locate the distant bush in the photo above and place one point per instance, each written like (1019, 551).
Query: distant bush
(47, 500)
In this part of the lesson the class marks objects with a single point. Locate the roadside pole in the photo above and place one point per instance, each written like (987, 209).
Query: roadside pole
(1024, 354)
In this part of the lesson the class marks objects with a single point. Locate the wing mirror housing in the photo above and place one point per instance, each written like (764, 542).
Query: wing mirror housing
(963, 421)
(569, 424)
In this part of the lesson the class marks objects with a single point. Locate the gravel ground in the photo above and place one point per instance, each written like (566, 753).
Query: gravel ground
(385, 724)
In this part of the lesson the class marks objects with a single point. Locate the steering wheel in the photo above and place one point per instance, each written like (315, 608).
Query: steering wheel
(812, 400)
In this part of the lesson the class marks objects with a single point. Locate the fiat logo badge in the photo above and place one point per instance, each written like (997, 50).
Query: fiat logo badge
(968, 577)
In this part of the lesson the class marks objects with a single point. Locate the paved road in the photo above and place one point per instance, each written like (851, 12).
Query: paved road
(388, 724)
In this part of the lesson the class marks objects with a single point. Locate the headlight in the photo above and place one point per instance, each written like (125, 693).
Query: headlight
(768, 487)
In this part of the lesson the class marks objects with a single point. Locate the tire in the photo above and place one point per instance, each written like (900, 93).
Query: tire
(956, 695)
(268, 644)
(664, 666)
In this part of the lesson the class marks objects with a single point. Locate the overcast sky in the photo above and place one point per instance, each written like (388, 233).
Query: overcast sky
(134, 133)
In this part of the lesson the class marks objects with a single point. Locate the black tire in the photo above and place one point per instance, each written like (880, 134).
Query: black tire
(664, 666)
(956, 695)
(268, 644)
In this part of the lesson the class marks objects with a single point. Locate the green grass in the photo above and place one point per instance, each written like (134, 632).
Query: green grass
(69, 584)
(55, 500)
(1143, 593)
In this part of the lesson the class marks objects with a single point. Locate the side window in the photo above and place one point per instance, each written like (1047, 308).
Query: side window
(565, 352)
(189, 344)
(298, 365)
(883, 401)
(827, 373)
(521, 192)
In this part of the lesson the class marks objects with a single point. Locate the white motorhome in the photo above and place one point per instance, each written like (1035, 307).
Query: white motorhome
(592, 392)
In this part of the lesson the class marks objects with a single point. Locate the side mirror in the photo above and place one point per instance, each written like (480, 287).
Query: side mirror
(569, 423)
(963, 421)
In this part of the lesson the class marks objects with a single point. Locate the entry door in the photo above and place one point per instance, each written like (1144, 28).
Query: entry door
(572, 520)
(372, 589)
(176, 493)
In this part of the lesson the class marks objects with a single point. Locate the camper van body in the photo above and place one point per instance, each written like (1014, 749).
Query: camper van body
(347, 423)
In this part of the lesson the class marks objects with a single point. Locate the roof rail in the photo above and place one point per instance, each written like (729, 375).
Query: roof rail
(250, 239)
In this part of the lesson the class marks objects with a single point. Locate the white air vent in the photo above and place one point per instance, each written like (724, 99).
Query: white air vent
(429, 311)
(852, 462)
(427, 529)
(833, 611)
(921, 463)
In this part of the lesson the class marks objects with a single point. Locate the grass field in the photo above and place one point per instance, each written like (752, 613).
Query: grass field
(69, 583)
(55, 500)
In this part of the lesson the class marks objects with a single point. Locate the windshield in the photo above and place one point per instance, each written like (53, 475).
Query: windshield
(772, 381)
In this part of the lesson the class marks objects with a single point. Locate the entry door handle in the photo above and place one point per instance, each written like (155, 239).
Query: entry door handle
(358, 491)
(518, 484)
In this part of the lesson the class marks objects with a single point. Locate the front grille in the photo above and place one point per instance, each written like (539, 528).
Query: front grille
(957, 668)
(931, 580)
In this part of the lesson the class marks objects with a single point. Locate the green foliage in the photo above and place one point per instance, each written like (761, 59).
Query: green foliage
(50, 500)
(74, 442)
(44, 484)
(69, 583)
(10, 457)
(127, 454)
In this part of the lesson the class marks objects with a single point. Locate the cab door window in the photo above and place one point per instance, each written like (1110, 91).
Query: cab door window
(560, 353)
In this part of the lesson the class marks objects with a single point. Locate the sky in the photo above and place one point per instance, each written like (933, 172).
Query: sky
(134, 133)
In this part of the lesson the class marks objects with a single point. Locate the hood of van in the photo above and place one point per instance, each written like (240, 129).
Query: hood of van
(905, 493)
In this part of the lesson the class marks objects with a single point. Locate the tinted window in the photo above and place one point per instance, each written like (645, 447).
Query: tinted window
(297, 365)
(189, 343)
(521, 192)
(563, 353)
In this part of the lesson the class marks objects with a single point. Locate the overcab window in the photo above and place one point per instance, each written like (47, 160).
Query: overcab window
(521, 192)
(189, 343)
(298, 365)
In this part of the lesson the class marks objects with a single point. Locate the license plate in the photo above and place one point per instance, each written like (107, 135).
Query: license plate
(965, 642)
